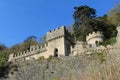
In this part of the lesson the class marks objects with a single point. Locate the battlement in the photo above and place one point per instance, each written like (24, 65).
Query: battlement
(56, 33)
(57, 29)
(97, 34)
(34, 49)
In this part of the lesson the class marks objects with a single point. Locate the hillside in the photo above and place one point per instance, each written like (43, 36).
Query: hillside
(90, 51)
(97, 66)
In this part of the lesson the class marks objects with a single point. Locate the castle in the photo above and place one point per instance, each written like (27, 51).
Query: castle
(59, 42)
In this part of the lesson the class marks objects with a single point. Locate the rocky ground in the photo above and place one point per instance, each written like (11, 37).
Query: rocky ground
(96, 66)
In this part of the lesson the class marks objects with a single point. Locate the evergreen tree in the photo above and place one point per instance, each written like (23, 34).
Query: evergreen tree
(86, 22)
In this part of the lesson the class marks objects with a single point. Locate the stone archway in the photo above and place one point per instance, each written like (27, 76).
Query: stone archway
(55, 52)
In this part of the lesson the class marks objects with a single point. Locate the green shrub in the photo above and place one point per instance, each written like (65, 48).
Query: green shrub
(41, 58)
(49, 58)
(101, 57)
(55, 59)
(110, 41)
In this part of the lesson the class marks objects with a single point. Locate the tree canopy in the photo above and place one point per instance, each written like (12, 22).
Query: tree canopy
(4, 52)
(83, 12)
(85, 22)
(31, 40)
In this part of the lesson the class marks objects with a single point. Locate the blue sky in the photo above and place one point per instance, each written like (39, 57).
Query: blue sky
(20, 19)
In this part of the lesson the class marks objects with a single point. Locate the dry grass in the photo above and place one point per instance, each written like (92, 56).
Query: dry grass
(109, 70)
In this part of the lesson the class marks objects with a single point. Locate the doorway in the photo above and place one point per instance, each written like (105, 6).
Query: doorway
(55, 52)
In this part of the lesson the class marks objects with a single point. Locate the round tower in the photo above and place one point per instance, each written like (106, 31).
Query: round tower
(94, 38)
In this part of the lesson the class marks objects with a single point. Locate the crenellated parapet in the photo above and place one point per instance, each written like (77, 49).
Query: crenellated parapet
(92, 35)
(56, 33)
(34, 49)
(37, 47)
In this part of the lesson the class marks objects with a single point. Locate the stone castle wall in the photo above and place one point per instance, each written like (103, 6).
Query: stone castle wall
(58, 42)
(61, 40)
(35, 52)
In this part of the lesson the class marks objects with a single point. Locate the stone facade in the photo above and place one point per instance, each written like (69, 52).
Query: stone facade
(78, 48)
(93, 38)
(59, 42)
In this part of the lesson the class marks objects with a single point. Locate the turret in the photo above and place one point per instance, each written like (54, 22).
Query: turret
(94, 38)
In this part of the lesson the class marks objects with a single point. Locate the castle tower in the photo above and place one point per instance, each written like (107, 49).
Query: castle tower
(59, 42)
(94, 38)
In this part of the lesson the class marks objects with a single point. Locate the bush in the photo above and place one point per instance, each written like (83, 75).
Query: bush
(49, 58)
(41, 58)
(110, 41)
(101, 57)
(55, 59)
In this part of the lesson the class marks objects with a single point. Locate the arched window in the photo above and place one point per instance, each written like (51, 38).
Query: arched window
(97, 43)
(55, 52)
